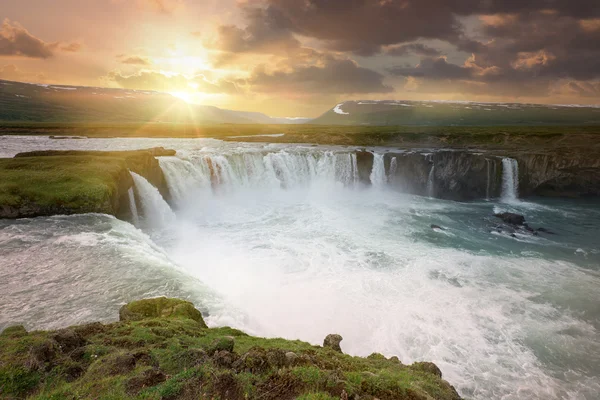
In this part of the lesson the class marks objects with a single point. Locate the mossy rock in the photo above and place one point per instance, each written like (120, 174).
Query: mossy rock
(160, 307)
(14, 331)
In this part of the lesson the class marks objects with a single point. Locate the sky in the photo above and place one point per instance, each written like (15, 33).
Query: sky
(301, 57)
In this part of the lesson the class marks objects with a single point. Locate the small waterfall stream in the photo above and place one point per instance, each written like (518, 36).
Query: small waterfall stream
(393, 168)
(378, 178)
(488, 164)
(155, 210)
(431, 179)
(135, 217)
(510, 180)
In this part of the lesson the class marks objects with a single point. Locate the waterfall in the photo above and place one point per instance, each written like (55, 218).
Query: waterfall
(430, 182)
(155, 209)
(510, 180)
(273, 170)
(393, 168)
(378, 178)
(181, 175)
(133, 207)
(355, 175)
(488, 165)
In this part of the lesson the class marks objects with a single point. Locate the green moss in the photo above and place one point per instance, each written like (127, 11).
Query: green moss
(160, 307)
(72, 183)
(169, 357)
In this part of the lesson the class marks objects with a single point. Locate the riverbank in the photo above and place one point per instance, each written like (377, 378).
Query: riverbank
(162, 349)
(44, 183)
(480, 137)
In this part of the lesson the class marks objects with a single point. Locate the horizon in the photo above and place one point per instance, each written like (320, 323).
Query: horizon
(285, 58)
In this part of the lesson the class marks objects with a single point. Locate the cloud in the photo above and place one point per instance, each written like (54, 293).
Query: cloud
(333, 76)
(134, 60)
(160, 6)
(12, 73)
(73, 47)
(17, 41)
(411, 48)
(163, 82)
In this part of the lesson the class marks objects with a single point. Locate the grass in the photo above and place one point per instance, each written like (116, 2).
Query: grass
(76, 183)
(174, 358)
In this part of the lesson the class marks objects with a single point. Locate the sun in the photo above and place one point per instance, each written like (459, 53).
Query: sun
(185, 96)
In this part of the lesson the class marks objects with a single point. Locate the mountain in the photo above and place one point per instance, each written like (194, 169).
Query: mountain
(445, 113)
(59, 103)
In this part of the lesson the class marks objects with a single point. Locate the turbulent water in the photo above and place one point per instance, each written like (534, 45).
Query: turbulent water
(284, 241)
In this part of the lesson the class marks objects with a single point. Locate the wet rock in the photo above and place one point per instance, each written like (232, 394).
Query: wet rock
(333, 342)
(512, 235)
(223, 343)
(428, 367)
(225, 359)
(68, 340)
(148, 378)
(544, 230)
(160, 307)
(511, 218)
(433, 226)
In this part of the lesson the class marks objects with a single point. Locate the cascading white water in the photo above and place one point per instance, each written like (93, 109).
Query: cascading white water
(430, 182)
(181, 175)
(510, 180)
(378, 178)
(488, 165)
(393, 168)
(155, 210)
(133, 207)
(257, 170)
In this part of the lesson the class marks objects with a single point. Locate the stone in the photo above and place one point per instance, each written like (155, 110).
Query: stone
(433, 226)
(291, 358)
(333, 342)
(511, 218)
(160, 307)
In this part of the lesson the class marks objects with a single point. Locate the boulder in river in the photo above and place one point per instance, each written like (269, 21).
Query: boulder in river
(511, 218)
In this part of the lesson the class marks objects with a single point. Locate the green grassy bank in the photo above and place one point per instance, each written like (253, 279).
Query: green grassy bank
(161, 349)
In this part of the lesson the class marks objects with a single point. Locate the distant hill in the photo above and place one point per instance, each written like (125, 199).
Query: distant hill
(441, 113)
(27, 102)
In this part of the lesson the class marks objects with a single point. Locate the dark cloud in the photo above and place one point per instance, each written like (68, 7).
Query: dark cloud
(434, 69)
(411, 48)
(153, 80)
(17, 41)
(267, 31)
(333, 76)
